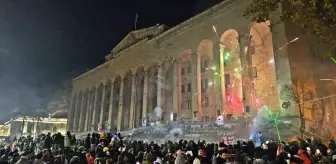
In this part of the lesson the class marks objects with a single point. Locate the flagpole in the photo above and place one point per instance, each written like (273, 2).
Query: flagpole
(136, 20)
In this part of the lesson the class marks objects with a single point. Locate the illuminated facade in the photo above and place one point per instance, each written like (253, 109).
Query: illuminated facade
(31, 126)
(216, 63)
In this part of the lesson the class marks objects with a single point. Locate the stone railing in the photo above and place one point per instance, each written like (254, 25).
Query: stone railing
(235, 130)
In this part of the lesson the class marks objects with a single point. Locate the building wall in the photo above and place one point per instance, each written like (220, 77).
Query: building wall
(190, 44)
(30, 126)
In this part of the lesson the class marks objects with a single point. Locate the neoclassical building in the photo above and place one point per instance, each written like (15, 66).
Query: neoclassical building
(216, 63)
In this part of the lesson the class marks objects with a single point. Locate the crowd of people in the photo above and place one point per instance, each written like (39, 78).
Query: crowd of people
(108, 148)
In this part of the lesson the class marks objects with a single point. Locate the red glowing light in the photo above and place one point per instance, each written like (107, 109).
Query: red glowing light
(257, 101)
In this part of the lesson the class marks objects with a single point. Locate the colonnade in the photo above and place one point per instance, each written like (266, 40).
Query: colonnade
(133, 98)
(126, 101)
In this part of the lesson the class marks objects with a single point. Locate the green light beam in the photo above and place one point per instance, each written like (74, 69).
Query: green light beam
(333, 59)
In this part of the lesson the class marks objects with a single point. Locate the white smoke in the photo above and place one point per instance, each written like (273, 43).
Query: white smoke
(220, 120)
(157, 112)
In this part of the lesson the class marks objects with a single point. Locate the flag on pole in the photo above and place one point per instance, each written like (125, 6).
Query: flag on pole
(136, 20)
(228, 140)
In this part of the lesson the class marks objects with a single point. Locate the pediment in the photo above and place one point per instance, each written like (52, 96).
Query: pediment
(138, 35)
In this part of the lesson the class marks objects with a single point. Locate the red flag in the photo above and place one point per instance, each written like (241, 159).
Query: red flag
(228, 140)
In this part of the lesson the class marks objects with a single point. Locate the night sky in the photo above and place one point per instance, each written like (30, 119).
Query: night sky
(44, 43)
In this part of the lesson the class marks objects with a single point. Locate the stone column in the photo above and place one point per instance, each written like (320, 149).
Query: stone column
(91, 104)
(76, 115)
(102, 106)
(94, 109)
(196, 85)
(110, 121)
(121, 103)
(25, 126)
(145, 93)
(159, 88)
(281, 60)
(70, 114)
(176, 86)
(81, 113)
(87, 113)
(35, 129)
(246, 69)
(132, 105)
(222, 80)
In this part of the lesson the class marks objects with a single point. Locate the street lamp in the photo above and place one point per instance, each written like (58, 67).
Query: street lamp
(328, 79)
(333, 80)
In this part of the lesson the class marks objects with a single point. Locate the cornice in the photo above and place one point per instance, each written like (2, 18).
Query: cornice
(175, 31)
(184, 26)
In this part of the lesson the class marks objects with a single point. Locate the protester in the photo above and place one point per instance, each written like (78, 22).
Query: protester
(106, 148)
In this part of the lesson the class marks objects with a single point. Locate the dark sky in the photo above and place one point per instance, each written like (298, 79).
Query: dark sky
(46, 42)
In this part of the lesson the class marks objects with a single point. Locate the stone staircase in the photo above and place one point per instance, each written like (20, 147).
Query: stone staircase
(289, 128)
(233, 129)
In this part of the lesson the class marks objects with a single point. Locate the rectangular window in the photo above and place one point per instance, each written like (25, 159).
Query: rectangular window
(116, 104)
(204, 66)
(189, 87)
(183, 88)
(195, 114)
(227, 80)
(189, 104)
(189, 68)
(205, 102)
(204, 85)
(118, 91)
(182, 71)
(186, 105)
(154, 101)
(254, 72)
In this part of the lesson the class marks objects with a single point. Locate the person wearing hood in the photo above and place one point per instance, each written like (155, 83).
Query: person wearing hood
(87, 142)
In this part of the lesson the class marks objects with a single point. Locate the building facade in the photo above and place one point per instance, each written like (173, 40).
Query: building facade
(31, 126)
(216, 63)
